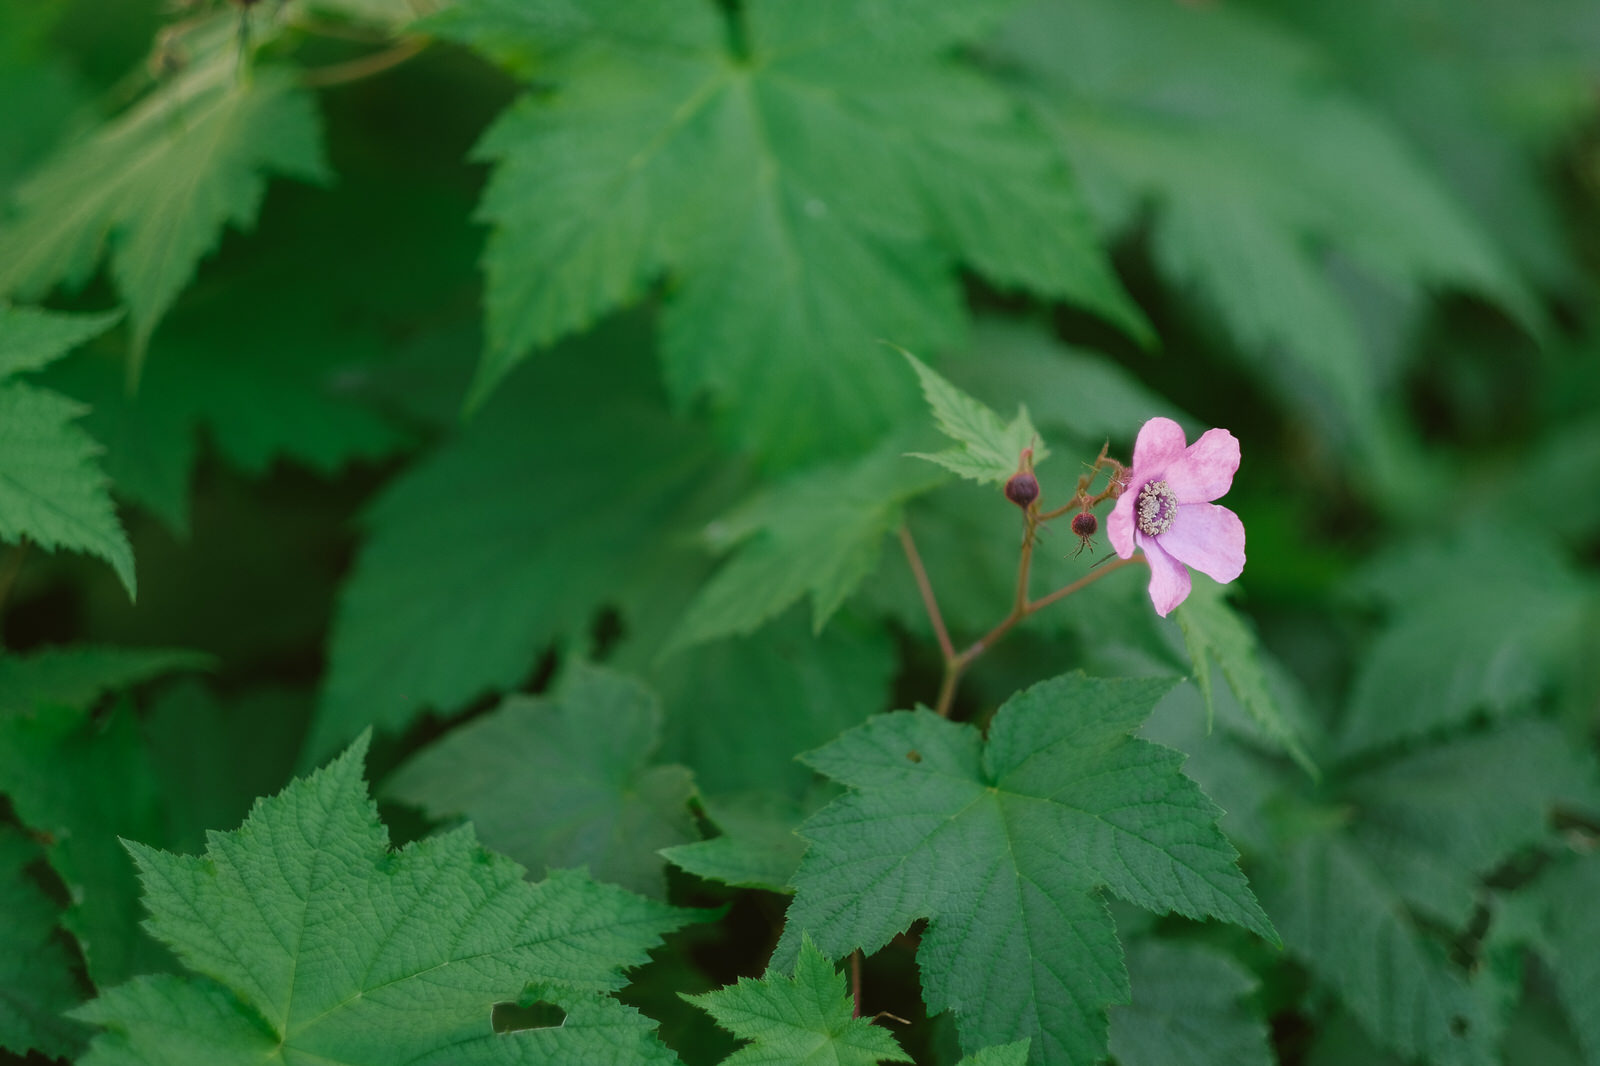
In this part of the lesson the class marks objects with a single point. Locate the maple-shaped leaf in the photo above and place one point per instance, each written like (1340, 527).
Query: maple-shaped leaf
(160, 182)
(803, 1018)
(573, 491)
(37, 985)
(311, 940)
(563, 780)
(82, 784)
(1186, 1009)
(817, 534)
(1242, 220)
(1004, 846)
(52, 489)
(806, 175)
(990, 449)
(1364, 873)
(1212, 630)
(1453, 648)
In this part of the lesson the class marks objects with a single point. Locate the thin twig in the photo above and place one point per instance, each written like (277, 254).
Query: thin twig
(855, 980)
(365, 67)
(955, 667)
(946, 648)
(1087, 579)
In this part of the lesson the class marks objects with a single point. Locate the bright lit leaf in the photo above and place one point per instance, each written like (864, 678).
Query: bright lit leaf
(804, 1018)
(310, 939)
(990, 449)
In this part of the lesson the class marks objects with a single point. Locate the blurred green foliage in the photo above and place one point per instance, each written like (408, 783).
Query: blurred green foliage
(417, 354)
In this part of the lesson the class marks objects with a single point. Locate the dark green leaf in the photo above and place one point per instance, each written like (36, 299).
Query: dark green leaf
(564, 780)
(36, 972)
(1003, 846)
(1186, 1010)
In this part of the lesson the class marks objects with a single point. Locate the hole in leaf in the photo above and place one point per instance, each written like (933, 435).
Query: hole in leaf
(511, 1018)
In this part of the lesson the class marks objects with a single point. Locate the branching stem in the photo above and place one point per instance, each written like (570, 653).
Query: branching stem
(956, 663)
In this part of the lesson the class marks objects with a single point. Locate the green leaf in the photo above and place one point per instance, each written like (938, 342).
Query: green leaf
(262, 382)
(82, 784)
(1004, 845)
(159, 184)
(1212, 630)
(1343, 918)
(805, 1018)
(573, 491)
(1186, 1010)
(990, 449)
(565, 780)
(999, 1055)
(807, 202)
(36, 973)
(1258, 165)
(311, 940)
(1403, 848)
(818, 534)
(31, 338)
(1455, 646)
(1430, 824)
(739, 710)
(758, 846)
(1074, 393)
(52, 490)
(1571, 931)
(78, 675)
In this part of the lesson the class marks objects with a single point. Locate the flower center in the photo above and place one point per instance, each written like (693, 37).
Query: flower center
(1155, 508)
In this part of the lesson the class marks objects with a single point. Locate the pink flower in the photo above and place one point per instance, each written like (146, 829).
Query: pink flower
(1166, 510)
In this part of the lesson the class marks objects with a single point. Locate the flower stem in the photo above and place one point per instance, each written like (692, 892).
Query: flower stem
(855, 981)
(957, 665)
(925, 586)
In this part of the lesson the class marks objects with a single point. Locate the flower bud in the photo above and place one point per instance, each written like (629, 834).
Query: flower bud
(1084, 524)
(1022, 489)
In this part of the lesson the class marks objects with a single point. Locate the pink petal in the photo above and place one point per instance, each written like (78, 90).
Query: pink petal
(1208, 537)
(1205, 471)
(1119, 525)
(1160, 442)
(1169, 579)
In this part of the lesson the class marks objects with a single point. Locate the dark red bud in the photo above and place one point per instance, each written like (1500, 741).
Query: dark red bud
(1022, 489)
(1084, 524)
